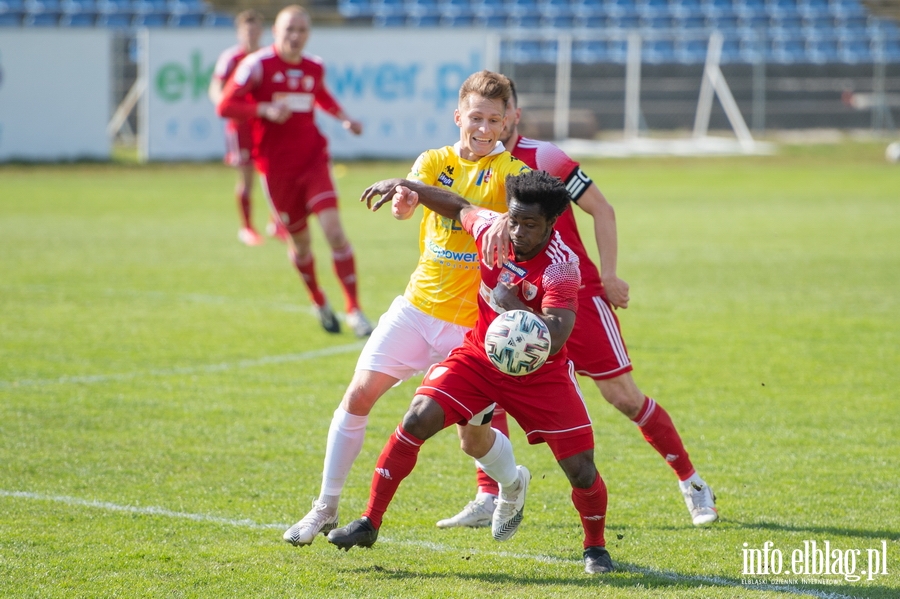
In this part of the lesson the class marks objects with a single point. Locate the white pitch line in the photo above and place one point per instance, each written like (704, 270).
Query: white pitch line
(222, 367)
(437, 547)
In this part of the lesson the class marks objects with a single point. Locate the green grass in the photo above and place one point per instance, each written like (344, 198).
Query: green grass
(165, 392)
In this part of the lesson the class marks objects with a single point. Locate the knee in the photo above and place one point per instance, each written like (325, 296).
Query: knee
(424, 418)
(580, 470)
(359, 398)
(475, 441)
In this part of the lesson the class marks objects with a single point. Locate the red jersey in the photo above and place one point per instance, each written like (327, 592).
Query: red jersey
(544, 156)
(228, 62)
(549, 280)
(264, 77)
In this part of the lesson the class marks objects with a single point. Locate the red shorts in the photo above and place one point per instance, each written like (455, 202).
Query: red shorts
(238, 142)
(596, 346)
(295, 195)
(548, 404)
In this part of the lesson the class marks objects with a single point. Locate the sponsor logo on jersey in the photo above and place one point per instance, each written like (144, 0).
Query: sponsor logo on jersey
(484, 176)
(278, 77)
(449, 169)
(445, 180)
(529, 290)
(515, 268)
(294, 76)
(442, 253)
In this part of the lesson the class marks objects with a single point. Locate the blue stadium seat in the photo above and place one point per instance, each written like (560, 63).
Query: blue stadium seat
(728, 25)
(854, 51)
(810, 9)
(621, 7)
(653, 8)
(750, 8)
(524, 21)
(526, 51)
(455, 8)
(625, 22)
(886, 50)
(561, 22)
(731, 51)
(691, 22)
(422, 8)
(152, 20)
(617, 50)
(847, 8)
(457, 21)
(81, 19)
(822, 51)
(788, 51)
(718, 8)
(589, 51)
(148, 7)
(11, 12)
(351, 9)
(114, 21)
(589, 8)
(186, 20)
(423, 20)
(384, 8)
(818, 26)
(491, 21)
(180, 7)
(657, 23)
(555, 8)
(218, 19)
(691, 51)
(752, 50)
(884, 29)
(79, 7)
(592, 23)
(522, 8)
(389, 20)
(489, 8)
(786, 28)
(42, 19)
(752, 25)
(782, 8)
(658, 51)
(686, 8)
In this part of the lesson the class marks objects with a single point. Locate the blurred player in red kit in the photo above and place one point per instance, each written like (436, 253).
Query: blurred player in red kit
(279, 87)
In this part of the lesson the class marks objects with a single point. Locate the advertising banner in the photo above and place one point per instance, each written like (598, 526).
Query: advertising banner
(402, 87)
(55, 94)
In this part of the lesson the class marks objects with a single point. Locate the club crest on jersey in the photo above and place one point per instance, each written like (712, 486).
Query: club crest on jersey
(529, 290)
(449, 169)
(506, 277)
(445, 180)
(484, 176)
(308, 83)
(293, 78)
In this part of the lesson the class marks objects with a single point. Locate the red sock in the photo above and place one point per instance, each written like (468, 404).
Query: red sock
(486, 484)
(657, 428)
(591, 506)
(307, 271)
(243, 200)
(397, 460)
(345, 269)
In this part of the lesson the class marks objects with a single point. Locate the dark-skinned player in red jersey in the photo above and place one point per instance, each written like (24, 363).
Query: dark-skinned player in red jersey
(539, 274)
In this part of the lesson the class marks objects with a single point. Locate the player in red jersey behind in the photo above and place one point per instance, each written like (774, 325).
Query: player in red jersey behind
(279, 87)
(596, 346)
(539, 274)
(239, 133)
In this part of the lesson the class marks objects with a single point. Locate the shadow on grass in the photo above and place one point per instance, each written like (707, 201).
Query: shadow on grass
(817, 531)
(630, 576)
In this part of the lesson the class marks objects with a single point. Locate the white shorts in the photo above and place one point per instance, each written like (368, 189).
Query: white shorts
(407, 341)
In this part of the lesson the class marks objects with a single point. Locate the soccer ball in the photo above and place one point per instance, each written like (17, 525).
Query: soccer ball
(892, 153)
(517, 342)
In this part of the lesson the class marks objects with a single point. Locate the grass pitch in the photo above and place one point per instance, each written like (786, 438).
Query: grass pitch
(165, 392)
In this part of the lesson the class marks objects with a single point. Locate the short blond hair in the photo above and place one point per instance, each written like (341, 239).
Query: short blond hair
(487, 84)
(293, 9)
(248, 16)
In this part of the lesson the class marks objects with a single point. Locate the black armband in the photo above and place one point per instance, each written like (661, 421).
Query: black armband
(577, 183)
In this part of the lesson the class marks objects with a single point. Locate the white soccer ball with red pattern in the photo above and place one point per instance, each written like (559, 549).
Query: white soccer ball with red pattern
(517, 342)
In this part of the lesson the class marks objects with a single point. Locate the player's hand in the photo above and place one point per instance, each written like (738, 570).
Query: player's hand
(353, 126)
(273, 111)
(507, 296)
(385, 188)
(404, 202)
(495, 243)
(616, 291)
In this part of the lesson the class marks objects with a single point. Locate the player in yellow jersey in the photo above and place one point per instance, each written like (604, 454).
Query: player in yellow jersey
(439, 304)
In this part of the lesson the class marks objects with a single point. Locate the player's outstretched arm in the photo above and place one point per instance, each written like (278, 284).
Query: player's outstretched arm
(594, 203)
(446, 203)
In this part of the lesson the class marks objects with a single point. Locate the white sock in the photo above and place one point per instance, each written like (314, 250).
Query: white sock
(345, 441)
(499, 462)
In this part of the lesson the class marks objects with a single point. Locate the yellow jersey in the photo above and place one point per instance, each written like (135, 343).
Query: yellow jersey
(445, 282)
